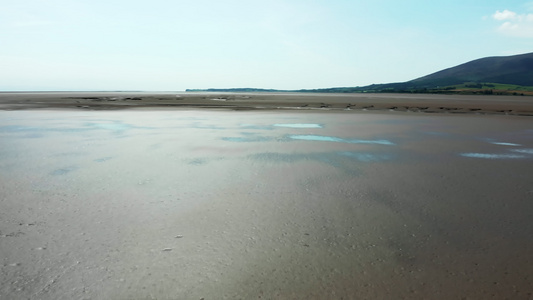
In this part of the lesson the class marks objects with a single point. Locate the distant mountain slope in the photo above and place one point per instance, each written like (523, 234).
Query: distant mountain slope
(499, 74)
(516, 69)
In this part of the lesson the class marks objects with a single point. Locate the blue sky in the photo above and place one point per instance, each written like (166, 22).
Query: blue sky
(169, 45)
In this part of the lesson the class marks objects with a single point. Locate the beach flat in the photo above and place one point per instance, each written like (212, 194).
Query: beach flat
(271, 196)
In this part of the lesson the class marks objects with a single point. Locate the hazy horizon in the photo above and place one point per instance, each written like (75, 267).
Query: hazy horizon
(75, 45)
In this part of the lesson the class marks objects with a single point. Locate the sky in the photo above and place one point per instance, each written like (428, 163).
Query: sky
(173, 45)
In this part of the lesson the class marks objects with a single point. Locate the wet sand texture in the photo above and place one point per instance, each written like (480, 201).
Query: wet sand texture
(424, 103)
(199, 204)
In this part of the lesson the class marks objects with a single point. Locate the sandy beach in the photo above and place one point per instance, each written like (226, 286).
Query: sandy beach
(265, 196)
(427, 103)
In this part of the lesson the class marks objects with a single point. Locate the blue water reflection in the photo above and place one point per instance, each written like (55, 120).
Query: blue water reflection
(492, 156)
(365, 156)
(283, 125)
(322, 138)
(506, 144)
(252, 137)
(525, 151)
(300, 125)
(257, 127)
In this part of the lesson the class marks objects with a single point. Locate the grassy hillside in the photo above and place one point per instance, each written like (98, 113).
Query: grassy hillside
(514, 70)
(503, 75)
(490, 88)
(467, 88)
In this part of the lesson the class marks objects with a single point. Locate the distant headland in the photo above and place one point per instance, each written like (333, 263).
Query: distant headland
(499, 75)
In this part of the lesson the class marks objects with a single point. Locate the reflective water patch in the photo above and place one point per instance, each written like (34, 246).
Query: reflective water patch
(300, 125)
(525, 151)
(492, 156)
(338, 140)
(506, 144)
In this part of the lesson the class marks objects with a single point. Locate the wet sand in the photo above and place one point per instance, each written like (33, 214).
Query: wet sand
(271, 204)
(426, 103)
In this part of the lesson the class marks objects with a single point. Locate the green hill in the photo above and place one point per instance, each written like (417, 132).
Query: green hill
(515, 70)
(489, 75)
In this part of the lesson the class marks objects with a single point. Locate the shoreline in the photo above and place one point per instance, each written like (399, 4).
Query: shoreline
(425, 103)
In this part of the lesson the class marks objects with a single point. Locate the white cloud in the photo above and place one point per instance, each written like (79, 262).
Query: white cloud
(514, 24)
(504, 15)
